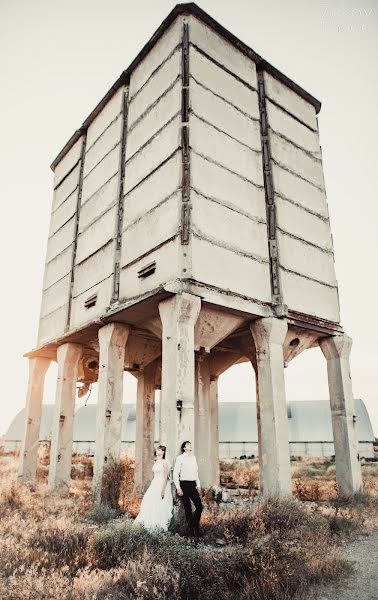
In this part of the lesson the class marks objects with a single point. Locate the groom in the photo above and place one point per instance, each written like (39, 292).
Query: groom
(185, 478)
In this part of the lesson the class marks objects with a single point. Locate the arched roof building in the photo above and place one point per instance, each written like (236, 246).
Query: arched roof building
(310, 428)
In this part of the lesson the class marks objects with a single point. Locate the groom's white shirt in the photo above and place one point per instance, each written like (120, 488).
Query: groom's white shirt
(186, 469)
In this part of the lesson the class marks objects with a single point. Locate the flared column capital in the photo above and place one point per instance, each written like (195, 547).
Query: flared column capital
(182, 308)
(38, 366)
(69, 352)
(337, 346)
(267, 331)
(114, 334)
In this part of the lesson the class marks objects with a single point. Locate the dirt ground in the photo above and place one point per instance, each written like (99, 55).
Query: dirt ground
(363, 584)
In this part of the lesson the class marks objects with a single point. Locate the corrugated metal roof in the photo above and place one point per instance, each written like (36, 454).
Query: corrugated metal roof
(309, 421)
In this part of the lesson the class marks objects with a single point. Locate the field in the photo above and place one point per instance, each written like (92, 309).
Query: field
(68, 548)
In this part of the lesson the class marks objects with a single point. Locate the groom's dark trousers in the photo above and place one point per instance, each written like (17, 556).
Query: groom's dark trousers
(190, 493)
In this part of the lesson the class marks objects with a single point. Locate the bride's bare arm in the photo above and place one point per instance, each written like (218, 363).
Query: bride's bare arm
(165, 478)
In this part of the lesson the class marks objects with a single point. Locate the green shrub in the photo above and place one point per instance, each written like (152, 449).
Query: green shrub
(122, 540)
(102, 513)
(331, 471)
(273, 550)
(342, 525)
(117, 482)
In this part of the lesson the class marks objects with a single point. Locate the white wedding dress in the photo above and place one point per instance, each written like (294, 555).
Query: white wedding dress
(155, 511)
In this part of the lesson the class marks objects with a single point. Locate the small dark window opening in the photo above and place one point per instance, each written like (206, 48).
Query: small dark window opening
(91, 301)
(93, 365)
(294, 342)
(147, 270)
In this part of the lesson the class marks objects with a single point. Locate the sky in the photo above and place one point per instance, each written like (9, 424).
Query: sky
(58, 59)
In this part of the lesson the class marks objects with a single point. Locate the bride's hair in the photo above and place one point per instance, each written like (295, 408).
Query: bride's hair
(164, 448)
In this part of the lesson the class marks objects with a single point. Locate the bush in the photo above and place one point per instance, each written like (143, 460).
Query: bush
(102, 514)
(123, 540)
(306, 489)
(273, 550)
(342, 525)
(117, 482)
(315, 470)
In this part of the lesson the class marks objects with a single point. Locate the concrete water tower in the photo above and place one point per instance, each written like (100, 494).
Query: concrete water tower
(189, 232)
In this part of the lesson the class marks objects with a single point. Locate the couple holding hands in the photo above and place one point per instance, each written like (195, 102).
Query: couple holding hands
(157, 504)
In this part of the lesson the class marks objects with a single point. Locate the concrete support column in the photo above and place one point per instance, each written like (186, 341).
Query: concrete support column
(68, 356)
(145, 427)
(269, 335)
(112, 339)
(348, 470)
(178, 315)
(214, 433)
(258, 419)
(202, 439)
(29, 450)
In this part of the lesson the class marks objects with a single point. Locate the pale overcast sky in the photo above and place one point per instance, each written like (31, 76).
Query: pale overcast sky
(58, 58)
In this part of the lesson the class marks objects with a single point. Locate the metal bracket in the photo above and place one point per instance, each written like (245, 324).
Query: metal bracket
(277, 303)
(185, 147)
(185, 223)
(120, 207)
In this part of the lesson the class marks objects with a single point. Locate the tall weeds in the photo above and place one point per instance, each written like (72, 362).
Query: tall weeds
(269, 549)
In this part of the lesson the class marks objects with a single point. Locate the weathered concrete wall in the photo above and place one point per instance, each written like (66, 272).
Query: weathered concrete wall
(221, 51)
(303, 231)
(94, 261)
(153, 168)
(166, 258)
(60, 247)
(230, 247)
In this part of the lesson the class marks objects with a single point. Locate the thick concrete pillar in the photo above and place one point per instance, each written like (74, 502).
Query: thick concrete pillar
(112, 339)
(258, 419)
(145, 427)
(269, 335)
(348, 470)
(29, 450)
(202, 418)
(68, 356)
(214, 433)
(178, 315)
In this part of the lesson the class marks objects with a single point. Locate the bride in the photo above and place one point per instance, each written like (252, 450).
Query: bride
(156, 508)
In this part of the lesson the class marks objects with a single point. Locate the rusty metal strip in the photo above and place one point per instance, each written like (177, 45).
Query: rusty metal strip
(77, 217)
(185, 146)
(276, 289)
(315, 324)
(120, 208)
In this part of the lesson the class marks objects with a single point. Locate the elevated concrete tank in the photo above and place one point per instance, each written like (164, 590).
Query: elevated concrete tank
(190, 231)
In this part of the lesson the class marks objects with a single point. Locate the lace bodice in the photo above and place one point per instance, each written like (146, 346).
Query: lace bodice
(158, 468)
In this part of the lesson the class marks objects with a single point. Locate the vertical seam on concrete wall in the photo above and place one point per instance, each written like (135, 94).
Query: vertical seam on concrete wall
(121, 201)
(185, 147)
(275, 279)
(78, 206)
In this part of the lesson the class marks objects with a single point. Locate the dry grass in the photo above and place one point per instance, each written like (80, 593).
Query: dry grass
(242, 474)
(66, 547)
